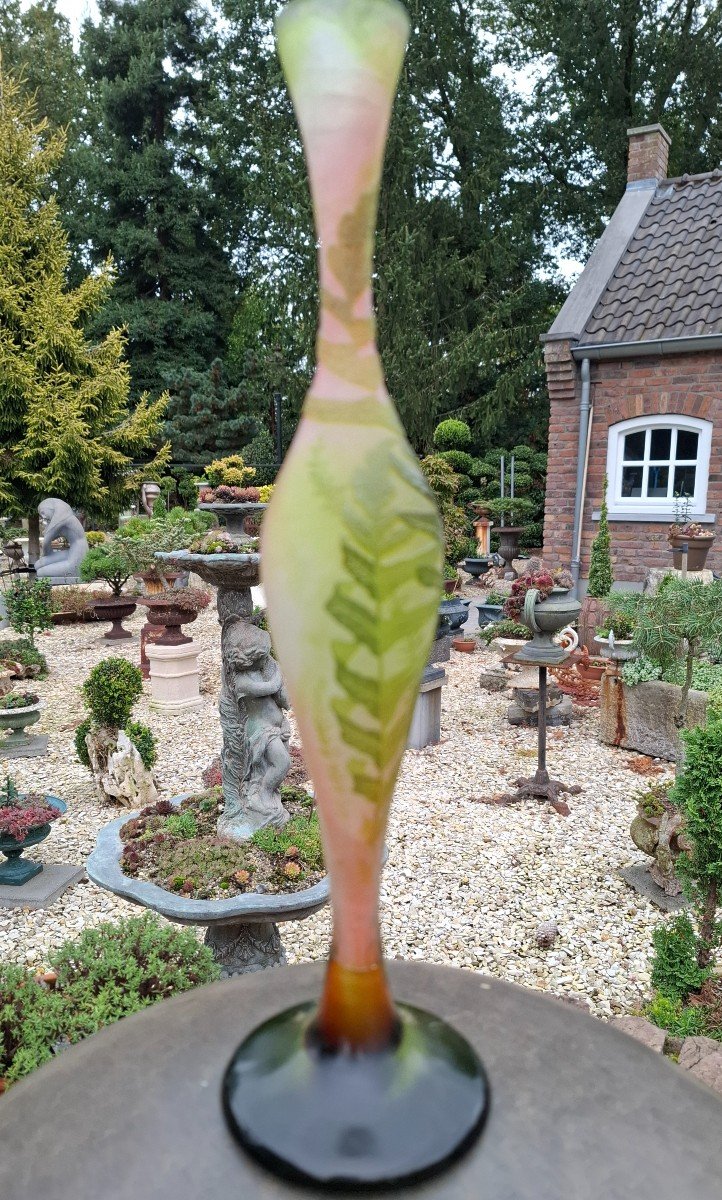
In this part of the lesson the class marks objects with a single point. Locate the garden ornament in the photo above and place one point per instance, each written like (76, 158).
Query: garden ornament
(58, 520)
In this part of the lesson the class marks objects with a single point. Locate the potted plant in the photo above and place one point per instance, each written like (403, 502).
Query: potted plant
(517, 510)
(492, 608)
(24, 821)
(111, 563)
(118, 751)
(71, 604)
(542, 602)
(231, 497)
(171, 609)
(615, 636)
(451, 579)
(465, 644)
(17, 711)
(690, 533)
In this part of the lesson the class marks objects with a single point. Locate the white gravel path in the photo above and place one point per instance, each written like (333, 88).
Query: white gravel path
(466, 884)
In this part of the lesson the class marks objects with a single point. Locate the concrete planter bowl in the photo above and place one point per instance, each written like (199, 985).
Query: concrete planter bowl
(241, 930)
(490, 614)
(17, 743)
(234, 515)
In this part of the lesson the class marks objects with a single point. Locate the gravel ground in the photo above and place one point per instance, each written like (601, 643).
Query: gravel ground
(466, 884)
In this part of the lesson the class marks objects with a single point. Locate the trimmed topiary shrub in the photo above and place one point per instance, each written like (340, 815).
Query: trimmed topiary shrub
(29, 606)
(452, 435)
(600, 563)
(111, 690)
(459, 461)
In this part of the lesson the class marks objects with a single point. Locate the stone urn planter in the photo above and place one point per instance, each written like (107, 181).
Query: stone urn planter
(241, 931)
(545, 618)
(153, 585)
(616, 649)
(168, 618)
(116, 610)
(234, 515)
(476, 566)
(698, 547)
(490, 614)
(509, 537)
(18, 870)
(17, 743)
(454, 613)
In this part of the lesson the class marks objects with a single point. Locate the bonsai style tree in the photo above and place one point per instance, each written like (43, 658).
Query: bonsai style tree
(109, 562)
(444, 483)
(65, 426)
(600, 564)
(676, 623)
(29, 606)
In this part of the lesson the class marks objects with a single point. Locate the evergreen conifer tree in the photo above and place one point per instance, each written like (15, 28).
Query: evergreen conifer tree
(149, 193)
(65, 428)
(600, 563)
(207, 418)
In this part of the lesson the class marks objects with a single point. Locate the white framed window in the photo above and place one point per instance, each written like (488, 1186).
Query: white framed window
(652, 460)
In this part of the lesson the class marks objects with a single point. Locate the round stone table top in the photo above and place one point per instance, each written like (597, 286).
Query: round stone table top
(578, 1110)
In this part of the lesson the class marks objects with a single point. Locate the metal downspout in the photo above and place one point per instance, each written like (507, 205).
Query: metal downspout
(582, 455)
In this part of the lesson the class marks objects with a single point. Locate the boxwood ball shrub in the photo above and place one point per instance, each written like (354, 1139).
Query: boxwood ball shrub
(111, 690)
(452, 435)
(107, 973)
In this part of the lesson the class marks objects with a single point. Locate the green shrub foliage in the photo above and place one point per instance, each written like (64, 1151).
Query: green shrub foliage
(111, 690)
(697, 793)
(108, 973)
(675, 972)
(461, 462)
(144, 741)
(29, 606)
(452, 435)
(20, 650)
(600, 563)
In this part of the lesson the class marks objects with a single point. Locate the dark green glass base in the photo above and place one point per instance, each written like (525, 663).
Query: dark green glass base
(352, 1121)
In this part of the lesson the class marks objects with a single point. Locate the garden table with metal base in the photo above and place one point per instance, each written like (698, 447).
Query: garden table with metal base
(541, 786)
(578, 1110)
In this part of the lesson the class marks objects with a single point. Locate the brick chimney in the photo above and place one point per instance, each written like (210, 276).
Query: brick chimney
(648, 153)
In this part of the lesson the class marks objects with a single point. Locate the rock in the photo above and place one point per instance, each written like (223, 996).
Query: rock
(546, 934)
(118, 770)
(643, 717)
(493, 679)
(702, 1057)
(576, 1000)
(642, 1031)
(557, 714)
(655, 575)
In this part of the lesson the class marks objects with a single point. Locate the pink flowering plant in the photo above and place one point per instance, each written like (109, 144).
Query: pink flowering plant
(20, 814)
(225, 494)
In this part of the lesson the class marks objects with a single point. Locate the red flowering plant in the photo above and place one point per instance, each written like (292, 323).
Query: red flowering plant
(19, 814)
(225, 494)
(544, 583)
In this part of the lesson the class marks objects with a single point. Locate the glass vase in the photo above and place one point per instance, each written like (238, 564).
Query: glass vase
(355, 1091)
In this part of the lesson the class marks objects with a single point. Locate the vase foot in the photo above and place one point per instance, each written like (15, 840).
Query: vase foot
(17, 871)
(354, 1121)
(244, 946)
(32, 747)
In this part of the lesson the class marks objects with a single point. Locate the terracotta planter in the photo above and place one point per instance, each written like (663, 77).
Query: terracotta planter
(465, 645)
(591, 669)
(698, 549)
(115, 610)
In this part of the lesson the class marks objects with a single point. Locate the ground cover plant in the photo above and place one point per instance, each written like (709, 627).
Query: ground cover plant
(504, 629)
(179, 849)
(21, 657)
(107, 973)
(20, 813)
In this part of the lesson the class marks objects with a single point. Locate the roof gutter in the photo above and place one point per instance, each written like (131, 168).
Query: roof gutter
(582, 461)
(677, 345)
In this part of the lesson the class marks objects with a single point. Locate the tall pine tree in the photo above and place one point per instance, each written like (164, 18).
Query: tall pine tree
(206, 417)
(65, 428)
(147, 193)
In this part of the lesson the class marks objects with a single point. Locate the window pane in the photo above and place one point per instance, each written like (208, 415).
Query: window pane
(662, 444)
(658, 481)
(686, 444)
(684, 479)
(632, 480)
(634, 446)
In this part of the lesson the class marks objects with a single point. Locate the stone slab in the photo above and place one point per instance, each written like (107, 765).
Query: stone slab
(642, 717)
(643, 1031)
(35, 748)
(702, 1057)
(578, 1112)
(639, 878)
(44, 889)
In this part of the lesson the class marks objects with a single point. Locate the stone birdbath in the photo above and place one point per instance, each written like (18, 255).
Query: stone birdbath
(242, 931)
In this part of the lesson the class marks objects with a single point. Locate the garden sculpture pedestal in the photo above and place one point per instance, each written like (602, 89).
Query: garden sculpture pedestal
(426, 721)
(579, 1110)
(541, 786)
(255, 757)
(174, 677)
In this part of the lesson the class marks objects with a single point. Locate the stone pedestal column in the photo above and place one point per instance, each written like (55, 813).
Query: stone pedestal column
(426, 723)
(174, 677)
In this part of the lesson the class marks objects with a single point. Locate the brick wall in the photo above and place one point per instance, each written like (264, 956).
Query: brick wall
(689, 384)
(648, 153)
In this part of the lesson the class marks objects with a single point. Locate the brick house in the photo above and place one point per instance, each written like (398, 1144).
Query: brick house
(634, 369)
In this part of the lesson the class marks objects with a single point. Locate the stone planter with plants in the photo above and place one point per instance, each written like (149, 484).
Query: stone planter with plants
(25, 821)
(17, 711)
(684, 532)
(615, 637)
(111, 563)
(492, 608)
(118, 751)
(168, 611)
(71, 605)
(230, 497)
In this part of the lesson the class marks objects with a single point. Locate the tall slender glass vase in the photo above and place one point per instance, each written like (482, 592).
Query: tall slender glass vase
(356, 1091)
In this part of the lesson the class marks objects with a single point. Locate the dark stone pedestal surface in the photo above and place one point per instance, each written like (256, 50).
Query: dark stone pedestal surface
(578, 1111)
(639, 878)
(35, 747)
(42, 890)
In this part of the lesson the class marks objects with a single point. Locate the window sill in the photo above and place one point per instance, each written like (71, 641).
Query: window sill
(655, 518)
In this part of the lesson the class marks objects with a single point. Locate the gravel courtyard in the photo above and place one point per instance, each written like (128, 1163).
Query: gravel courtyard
(466, 883)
